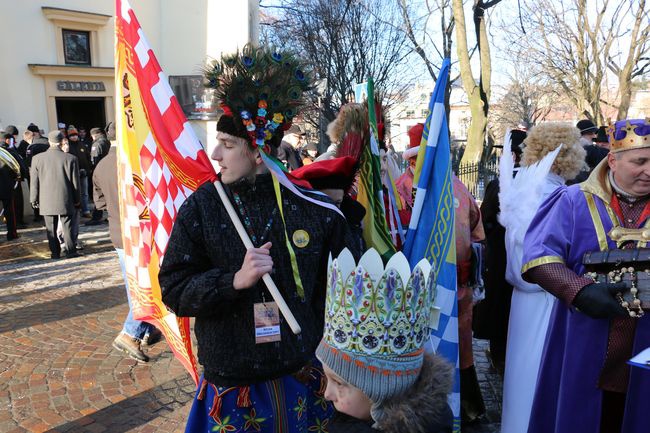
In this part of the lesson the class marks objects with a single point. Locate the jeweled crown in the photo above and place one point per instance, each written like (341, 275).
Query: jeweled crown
(629, 134)
(376, 310)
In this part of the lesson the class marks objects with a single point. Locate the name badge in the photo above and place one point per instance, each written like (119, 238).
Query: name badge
(267, 322)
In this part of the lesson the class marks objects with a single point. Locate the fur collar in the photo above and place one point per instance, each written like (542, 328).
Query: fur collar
(423, 408)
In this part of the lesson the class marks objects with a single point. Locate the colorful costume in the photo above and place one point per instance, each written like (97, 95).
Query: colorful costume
(584, 383)
(469, 229)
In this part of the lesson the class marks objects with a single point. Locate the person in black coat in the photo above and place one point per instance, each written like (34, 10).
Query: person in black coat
(9, 145)
(98, 150)
(36, 143)
(9, 175)
(78, 149)
(55, 190)
(491, 315)
(288, 152)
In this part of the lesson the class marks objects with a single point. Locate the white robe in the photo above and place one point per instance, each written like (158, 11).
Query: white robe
(529, 316)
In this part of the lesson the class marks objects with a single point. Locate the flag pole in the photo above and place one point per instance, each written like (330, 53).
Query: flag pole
(270, 284)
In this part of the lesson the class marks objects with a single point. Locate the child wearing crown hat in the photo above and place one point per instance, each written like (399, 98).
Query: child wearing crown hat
(376, 324)
(257, 374)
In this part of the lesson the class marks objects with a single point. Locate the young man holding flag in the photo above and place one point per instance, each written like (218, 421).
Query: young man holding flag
(258, 374)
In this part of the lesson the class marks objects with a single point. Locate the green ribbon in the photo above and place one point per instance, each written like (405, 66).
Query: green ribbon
(292, 254)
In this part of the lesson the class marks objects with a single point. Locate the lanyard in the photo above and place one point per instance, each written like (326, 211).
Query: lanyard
(249, 226)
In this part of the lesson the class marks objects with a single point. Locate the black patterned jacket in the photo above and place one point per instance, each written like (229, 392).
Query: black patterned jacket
(203, 254)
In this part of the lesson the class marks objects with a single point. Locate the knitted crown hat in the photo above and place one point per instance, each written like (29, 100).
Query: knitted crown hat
(376, 322)
(260, 91)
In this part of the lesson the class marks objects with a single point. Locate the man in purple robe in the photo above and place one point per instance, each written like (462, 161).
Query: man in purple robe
(585, 384)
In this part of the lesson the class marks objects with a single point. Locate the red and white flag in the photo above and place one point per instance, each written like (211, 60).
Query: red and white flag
(160, 163)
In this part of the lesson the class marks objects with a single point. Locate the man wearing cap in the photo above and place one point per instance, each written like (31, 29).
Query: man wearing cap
(84, 138)
(98, 149)
(63, 129)
(289, 150)
(36, 143)
(55, 192)
(79, 150)
(595, 153)
(585, 384)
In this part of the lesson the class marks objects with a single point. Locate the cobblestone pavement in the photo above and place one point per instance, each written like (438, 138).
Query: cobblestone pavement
(58, 371)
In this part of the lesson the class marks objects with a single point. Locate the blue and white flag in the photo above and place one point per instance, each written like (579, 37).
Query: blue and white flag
(431, 233)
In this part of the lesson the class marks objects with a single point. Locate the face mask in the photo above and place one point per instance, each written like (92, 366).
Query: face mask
(11, 142)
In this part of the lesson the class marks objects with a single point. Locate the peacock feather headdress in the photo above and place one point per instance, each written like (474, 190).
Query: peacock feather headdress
(261, 88)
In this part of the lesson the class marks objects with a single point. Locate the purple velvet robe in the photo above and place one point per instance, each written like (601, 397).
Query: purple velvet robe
(567, 398)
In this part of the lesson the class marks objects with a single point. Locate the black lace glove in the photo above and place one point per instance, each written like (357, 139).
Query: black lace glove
(598, 300)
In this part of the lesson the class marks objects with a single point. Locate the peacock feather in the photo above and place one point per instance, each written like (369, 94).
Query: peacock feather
(261, 86)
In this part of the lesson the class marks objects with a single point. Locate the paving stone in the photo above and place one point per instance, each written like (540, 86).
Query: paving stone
(58, 370)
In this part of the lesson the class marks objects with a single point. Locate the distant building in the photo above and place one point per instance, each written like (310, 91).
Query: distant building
(58, 56)
(415, 108)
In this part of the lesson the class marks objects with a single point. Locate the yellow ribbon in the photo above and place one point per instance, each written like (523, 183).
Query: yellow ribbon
(292, 254)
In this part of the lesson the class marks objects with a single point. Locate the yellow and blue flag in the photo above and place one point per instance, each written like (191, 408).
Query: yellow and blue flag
(431, 232)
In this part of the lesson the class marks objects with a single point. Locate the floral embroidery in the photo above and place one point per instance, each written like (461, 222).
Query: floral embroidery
(223, 426)
(300, 407)
(320, 400)
(319, 427)
(253, 422)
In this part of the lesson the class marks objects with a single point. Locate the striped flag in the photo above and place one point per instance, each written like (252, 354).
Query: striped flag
(370, 193)
(160, 163)
(431, 230)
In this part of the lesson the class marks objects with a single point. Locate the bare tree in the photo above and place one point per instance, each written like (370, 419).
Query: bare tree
(347, 41)
(574, 43)
(416, 25)
(526, 100)
(478, 94)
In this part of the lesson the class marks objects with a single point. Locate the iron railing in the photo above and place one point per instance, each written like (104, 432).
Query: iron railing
(476, 176)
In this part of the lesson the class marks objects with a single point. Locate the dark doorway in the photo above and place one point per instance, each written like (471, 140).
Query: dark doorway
(88, 112)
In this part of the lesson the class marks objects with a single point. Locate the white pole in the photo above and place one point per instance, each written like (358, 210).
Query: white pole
(273, 289)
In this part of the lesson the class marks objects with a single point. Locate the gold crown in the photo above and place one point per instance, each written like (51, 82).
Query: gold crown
(631, 140)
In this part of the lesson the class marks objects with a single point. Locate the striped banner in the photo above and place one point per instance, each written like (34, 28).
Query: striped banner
(370, 193)
(160, 163)
(431, 233)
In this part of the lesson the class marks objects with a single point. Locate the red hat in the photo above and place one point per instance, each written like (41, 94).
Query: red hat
(337, 173)
(415, 136)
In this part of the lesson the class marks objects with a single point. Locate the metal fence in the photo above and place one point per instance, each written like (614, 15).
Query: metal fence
(476, 176)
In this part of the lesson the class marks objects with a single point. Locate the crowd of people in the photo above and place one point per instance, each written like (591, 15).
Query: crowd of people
(57, 185)
(62, 171)
(561, 330)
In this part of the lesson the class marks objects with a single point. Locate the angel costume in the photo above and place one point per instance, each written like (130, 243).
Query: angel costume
(531, 306)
